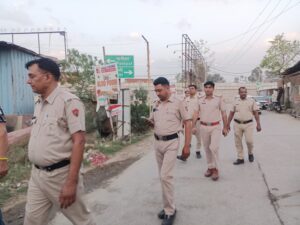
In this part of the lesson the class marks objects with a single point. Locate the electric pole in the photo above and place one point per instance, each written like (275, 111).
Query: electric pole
(148, 72)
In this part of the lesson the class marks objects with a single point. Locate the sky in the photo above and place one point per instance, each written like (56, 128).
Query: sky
(236, 31)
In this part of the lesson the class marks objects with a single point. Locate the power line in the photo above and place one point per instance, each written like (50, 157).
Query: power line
(255, 32)
(241, 34)
(229, 72)
(238, 57)
(249, 28)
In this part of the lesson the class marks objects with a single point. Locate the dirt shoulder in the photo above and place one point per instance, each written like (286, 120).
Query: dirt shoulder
(93, 177)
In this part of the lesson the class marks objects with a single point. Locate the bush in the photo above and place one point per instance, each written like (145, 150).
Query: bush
(139, 125)
(90, 117)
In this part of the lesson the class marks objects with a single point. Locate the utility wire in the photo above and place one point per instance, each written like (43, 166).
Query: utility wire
(241, 34)
(250, 27)
(229, 72)
(238, 57)
(234, 57)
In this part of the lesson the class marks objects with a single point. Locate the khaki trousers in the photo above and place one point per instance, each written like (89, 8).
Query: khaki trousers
(211, 136)
(198, 136)
(43, 194)
(239, 131)
(166, 153)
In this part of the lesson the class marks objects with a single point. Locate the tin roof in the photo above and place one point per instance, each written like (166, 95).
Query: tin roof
(292, 70)
(7, 45)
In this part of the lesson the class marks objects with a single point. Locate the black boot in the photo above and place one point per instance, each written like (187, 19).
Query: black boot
(238, 162)
(169, 219)
(251, 157)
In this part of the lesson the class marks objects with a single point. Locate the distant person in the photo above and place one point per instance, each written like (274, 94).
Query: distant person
(3, 151)
(186, 94)
(211, 111)
(242, 112)
(55, 149)
(166, 118)
(192, 102)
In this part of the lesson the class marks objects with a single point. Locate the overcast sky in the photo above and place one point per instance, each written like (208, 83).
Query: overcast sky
(237, 31)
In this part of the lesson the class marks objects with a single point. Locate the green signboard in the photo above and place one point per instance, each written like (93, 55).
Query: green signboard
(125, 64)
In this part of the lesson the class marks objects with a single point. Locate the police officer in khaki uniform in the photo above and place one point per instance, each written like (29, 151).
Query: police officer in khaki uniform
(242, 111)
(166, 117)
(186, 94)
(3, 151)
(55, 149)
(192, 102)
(211, 112)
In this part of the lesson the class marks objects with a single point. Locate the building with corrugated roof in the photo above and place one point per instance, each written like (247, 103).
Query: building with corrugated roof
(16, 97)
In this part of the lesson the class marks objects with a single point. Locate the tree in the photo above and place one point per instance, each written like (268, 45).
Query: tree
(216, 78)
(281, 55)
(179, 78)
(256, 75)
(78, 70)
(206, 52)
(202, 66)
(138, 110)
(141, 95)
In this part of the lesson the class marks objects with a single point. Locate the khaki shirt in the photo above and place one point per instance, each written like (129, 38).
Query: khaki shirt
(243, 109)
(210, 109)
(192, 103)
(55, 119)
(167, 116)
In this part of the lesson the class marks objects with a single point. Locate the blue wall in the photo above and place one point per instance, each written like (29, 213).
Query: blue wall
(16, 96)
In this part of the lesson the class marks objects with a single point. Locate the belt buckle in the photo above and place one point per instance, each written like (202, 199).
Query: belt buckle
(48, 169)
(209, 124)
(159, 137)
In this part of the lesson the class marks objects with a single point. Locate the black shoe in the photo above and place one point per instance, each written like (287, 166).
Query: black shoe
(168, 220)
(161, 214)
(198, 155)
(238, 162)
(251, 157)
(181, 158)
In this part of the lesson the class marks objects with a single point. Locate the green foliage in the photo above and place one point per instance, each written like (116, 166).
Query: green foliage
(138, 109)
(281, 55)
(217, 78)
(78, 70)
(141, 95)
(112, 147)
(256, 75)
(90, 117)
(139, 125)
(19, 172)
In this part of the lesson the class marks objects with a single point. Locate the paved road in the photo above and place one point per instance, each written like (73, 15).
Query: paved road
(266, 192)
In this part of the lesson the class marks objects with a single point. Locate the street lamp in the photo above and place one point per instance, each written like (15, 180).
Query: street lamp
(148, 71)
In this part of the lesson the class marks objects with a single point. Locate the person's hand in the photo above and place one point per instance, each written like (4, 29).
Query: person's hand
(149, 122)
(225, 131)
(194, 130)
(228, 128)
(185, 152)
(68, 194)
(258, 127)
(3, 168)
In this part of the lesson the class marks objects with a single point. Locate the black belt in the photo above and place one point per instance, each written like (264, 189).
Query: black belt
(54, 166)
(243, 122)
(166, 137)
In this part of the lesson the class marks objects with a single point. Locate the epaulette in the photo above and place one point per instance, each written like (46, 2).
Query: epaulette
(67, 96)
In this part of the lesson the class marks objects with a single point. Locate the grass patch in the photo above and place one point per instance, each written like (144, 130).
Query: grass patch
(19, 172)
(112, 147)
